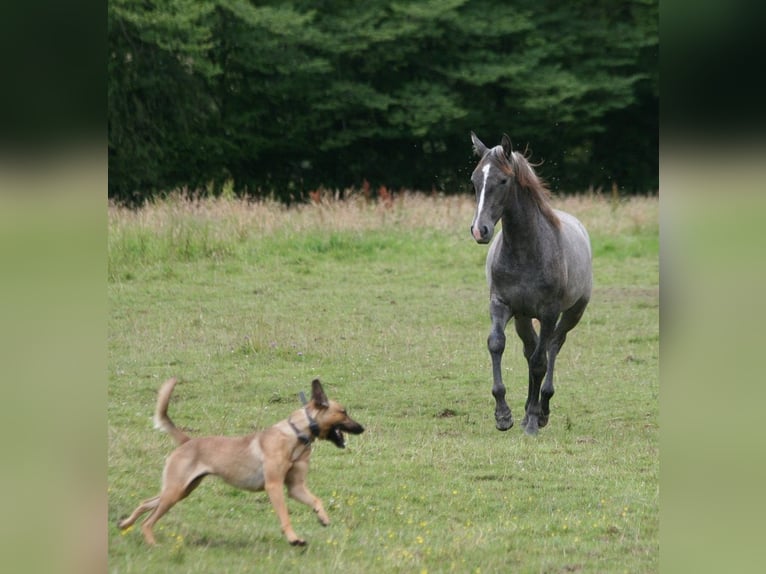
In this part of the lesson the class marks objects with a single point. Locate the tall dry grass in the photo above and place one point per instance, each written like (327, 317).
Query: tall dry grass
(226, 219)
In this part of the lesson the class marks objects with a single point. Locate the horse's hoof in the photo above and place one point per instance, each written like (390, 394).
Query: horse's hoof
(503, 423)
(532, 426)
(542, 421)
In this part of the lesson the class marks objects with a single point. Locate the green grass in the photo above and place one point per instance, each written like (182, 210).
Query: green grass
(388, 306)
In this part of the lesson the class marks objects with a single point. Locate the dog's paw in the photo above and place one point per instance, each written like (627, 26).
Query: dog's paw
(322, 516)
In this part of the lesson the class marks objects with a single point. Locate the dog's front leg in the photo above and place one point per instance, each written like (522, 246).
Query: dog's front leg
(296, 488)
(275, 490)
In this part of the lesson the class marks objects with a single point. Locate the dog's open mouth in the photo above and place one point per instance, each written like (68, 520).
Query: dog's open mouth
(336, 433)
(336, 436)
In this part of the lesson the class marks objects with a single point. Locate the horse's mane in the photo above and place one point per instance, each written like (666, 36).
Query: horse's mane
(519, 167)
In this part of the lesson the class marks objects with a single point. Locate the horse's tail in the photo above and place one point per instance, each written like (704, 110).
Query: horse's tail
(161, 419)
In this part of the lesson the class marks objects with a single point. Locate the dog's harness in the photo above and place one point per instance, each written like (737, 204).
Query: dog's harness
(313, 425)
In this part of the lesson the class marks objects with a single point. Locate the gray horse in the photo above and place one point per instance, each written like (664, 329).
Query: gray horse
(539, 266)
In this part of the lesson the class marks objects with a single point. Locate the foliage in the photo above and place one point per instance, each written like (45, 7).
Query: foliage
(285, 98)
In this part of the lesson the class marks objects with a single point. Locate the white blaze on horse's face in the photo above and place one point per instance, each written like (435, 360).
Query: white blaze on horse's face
(485, 171)
(488, 209)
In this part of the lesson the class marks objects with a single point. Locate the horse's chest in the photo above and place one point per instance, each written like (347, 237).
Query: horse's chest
(526, 291)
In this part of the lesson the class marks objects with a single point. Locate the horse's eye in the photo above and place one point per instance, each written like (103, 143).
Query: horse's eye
(503, 181)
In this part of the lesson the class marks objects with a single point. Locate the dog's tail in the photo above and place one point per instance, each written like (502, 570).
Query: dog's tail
(161, 419)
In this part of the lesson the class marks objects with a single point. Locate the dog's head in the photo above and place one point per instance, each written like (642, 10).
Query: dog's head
(331, 417)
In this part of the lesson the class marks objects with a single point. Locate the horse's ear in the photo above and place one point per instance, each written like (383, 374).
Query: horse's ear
(507, 146)
(317, 394)
(478, 147)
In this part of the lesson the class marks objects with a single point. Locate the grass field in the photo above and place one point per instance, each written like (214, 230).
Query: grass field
(387, 304)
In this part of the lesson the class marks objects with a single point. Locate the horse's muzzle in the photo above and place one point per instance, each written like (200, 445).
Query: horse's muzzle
(481, 233)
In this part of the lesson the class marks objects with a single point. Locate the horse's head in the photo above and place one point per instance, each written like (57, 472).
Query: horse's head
(492, 179)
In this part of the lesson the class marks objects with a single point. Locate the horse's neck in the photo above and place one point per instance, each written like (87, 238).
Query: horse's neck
(525, 228)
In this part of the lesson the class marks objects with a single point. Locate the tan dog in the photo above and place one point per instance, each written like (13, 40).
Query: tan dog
(266, 460)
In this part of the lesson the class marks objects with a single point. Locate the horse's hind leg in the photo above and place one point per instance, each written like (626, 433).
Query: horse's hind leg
(500, 315)
(538, 367)
(528, 336)
(569, 320)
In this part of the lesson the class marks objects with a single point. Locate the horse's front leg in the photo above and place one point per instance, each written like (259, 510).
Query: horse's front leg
(500, 315)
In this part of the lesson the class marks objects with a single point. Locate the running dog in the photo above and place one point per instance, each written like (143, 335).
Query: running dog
(268, 460)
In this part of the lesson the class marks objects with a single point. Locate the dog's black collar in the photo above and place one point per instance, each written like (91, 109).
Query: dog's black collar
(301, 437)
(313, 427)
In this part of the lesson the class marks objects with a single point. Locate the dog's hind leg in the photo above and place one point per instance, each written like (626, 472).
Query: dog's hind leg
(297, 489)
(169, 497)
(145, 506)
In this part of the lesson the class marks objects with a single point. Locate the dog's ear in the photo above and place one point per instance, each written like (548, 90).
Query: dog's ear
(317, 394)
